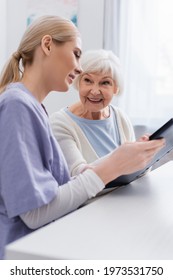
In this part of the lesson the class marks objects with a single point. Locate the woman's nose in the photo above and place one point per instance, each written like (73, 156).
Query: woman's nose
(95, 90)
(78, 70)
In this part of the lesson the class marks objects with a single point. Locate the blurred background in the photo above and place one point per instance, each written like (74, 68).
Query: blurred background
(139, 32)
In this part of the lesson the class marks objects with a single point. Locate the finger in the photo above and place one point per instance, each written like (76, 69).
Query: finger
(144, 137)
(154, 144)
(151, 153)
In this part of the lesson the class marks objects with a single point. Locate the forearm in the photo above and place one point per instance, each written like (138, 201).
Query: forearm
(128, 158)
(106, 168)
(69, 197)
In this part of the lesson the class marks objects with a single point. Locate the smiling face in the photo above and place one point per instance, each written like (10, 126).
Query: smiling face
(96, 92)
(63, 64)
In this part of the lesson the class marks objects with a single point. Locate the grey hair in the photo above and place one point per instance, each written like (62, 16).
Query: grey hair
(104, 62)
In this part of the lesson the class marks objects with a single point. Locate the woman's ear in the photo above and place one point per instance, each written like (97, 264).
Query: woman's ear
(116, 90)
(46, 43)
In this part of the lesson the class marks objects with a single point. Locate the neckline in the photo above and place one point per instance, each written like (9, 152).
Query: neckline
(88, 120)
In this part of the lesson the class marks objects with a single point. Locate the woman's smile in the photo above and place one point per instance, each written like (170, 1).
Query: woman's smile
(94, 100)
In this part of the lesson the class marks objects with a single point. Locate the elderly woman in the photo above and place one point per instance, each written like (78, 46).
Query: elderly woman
(93, 127)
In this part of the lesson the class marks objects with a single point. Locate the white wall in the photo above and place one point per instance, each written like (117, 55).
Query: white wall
(12, 26)
(3, 33)
(13, 14)
(16, 23)
(90, 23)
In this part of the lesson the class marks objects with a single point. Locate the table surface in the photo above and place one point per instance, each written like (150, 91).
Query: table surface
(131, 222)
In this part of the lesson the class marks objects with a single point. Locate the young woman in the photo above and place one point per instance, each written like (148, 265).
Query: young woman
(35, 185)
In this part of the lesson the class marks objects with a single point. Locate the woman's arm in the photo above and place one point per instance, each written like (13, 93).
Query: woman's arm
(68, 198)
(128, 158)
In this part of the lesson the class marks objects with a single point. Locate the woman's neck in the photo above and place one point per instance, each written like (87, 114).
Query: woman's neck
(78, 110)
(34, 87)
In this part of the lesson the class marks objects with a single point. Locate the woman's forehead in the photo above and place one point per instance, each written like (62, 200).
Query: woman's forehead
(98, 75)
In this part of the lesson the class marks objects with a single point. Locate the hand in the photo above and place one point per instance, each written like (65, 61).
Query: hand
(144, 137)
(135, 156)
(128, 158)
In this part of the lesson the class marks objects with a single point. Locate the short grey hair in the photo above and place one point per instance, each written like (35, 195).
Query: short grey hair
(101, 61)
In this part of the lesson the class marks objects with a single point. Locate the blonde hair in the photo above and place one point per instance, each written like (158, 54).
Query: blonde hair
(60, 29)
(101, 61)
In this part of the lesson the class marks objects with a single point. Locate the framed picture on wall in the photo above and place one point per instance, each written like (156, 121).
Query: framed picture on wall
(64, 8)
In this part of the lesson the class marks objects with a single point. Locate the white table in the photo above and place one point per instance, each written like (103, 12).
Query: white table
(132, 222)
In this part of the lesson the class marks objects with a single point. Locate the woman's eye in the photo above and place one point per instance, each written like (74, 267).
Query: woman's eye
(87, 80)
(77, 55)
(106, 83)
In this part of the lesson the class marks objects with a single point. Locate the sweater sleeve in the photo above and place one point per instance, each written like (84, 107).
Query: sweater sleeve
(71, 143)
(125, 126)
(68, 198)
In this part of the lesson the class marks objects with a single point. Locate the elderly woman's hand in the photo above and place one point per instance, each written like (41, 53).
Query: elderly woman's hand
(144, 138)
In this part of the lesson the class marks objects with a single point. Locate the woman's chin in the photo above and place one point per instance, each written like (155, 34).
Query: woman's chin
(63, 88)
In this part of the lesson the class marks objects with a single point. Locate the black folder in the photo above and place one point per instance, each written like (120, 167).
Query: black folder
(166, 131)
